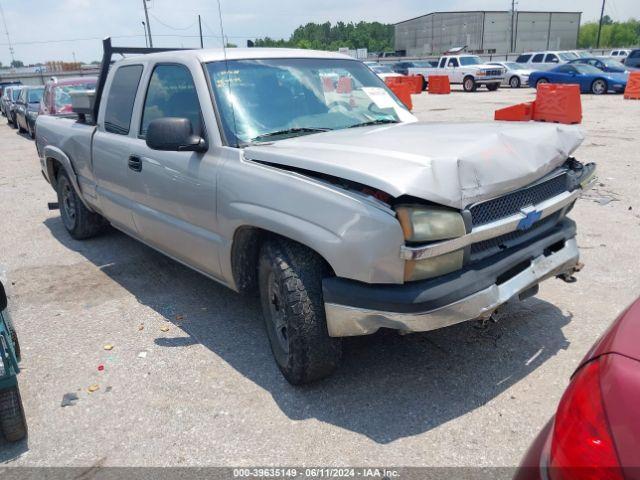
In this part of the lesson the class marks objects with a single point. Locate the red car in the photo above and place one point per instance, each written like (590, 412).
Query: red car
(595, 433)
(56, 99)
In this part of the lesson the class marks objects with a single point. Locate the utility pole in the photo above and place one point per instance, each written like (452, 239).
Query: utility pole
(600, 25)
(6, 30)
(513, 11)
(146, 15)
(144, 29)
(200, 28)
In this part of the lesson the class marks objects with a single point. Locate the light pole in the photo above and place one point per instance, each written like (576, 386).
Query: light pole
(144, 28)
(146, 15)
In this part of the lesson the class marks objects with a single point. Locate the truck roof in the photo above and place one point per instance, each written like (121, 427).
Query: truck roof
(217, 54)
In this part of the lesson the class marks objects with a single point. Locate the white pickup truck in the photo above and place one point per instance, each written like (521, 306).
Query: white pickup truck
(467, 70)
(332, 202)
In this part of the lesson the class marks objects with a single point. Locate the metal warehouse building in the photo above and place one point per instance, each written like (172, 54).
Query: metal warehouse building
(488, 32)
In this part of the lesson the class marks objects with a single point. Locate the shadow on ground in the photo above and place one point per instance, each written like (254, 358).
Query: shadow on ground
(388, 386)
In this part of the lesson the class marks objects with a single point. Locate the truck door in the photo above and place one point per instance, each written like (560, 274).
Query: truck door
(176, 201)
(454, 70)
(112, 145)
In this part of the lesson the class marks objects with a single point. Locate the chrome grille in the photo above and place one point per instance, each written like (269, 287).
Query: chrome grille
(494, 73)
(495, 245)
(512, 203)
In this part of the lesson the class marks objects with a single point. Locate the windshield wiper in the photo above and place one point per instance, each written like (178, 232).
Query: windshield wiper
(380, 121)
(290, 131)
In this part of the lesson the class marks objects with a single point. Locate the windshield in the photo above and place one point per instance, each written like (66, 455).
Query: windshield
(62, 97)
(35, 95)
(381, 69)
(587, 69)
(280, 98)
(464, 61)
(611, 63)
(514, 66)
(566, 56)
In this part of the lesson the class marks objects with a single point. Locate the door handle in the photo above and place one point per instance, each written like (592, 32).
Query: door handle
(135, 163)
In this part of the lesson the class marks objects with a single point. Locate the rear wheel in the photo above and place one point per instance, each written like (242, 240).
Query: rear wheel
(13, 423)
(514, 82)
(469, 84)
(77, 219)
(20, 129)
(290, 280)
(541, 81)
(425, 84)
(599, 87)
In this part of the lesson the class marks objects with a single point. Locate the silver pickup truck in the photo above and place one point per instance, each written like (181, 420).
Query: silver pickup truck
(299, 175)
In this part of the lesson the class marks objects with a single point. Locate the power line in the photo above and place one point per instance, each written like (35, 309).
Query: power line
(62, 40)
(169, 26)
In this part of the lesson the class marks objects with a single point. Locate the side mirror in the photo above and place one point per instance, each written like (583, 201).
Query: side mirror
(3, 298)
(174, 134)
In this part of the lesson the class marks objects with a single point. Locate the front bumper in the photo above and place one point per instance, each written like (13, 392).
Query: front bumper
(354, 309)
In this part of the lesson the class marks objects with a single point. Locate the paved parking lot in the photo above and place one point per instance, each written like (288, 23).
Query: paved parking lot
(205, 391)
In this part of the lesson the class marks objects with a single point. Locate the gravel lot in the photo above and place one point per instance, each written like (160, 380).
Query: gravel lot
(208, 393)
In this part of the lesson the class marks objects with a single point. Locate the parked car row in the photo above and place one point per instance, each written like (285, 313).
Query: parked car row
(23, 104)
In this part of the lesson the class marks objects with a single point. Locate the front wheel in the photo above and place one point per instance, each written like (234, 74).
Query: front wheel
(599, 87)
(13, 424)
(514, 82)
(77, 219)
(425, 84)
(290, 280)
(469, 84)
(492, 87)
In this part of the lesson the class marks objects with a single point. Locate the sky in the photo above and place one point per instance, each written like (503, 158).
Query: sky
(47, 30)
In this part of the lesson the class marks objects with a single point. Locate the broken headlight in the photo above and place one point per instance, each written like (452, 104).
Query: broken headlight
(421, 224)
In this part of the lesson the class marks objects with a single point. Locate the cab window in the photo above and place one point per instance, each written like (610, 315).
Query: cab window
(523, 58)
(171, 93)
(453, 62)
(122, 94)
(537, 58)
(552, 58)
(443, 62)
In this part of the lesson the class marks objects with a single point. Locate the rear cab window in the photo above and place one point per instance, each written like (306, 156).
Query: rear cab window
(122, 95)
(171, 93)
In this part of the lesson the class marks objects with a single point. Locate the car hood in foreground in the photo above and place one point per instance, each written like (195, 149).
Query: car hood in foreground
(453, 164)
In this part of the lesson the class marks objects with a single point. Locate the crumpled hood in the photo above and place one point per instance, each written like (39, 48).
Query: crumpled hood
(453, 164)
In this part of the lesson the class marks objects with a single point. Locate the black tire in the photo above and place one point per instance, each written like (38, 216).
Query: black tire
(13, 423)
(541, 81)
(13, 122)
(425, 84)
(77, 219)
(492, 87)
(514, 82)
(290, 281)
(20, 129)
(599, 87)
(469, 84)
(32, 133)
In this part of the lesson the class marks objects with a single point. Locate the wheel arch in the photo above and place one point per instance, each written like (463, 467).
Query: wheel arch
(56, 160)
(245, 252)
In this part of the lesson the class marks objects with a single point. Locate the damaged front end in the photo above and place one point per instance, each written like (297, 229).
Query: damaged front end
(462, 265)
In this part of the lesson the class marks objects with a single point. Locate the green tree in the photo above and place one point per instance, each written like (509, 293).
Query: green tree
(613, 35)
(373, 36)
(17, 64)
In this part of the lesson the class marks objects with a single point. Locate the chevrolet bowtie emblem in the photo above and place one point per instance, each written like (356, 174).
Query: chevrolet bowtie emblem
(531, 217)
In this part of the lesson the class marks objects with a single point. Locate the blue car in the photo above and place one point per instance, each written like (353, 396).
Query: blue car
(601, 63)
(590, 79)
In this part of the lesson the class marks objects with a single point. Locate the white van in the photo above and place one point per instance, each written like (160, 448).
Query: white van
(545, 60)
